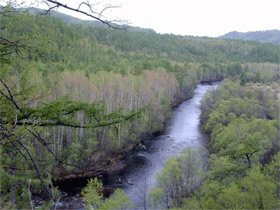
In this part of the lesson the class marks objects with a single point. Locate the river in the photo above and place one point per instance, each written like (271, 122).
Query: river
(182, 130)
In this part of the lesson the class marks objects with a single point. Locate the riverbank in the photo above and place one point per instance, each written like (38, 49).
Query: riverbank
(116, 173)
(74, 183)
(117, 162)
(182, 130)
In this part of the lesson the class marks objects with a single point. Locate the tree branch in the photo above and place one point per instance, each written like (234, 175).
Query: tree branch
(43, 142)
(78, 10)
(15, 168)
(36, 168)
(60, 123)
(11, 98)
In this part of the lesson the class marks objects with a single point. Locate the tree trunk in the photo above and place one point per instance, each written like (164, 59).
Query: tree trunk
(13, 190)
(249, 161)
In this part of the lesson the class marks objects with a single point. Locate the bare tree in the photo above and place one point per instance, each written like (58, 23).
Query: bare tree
(92, 9)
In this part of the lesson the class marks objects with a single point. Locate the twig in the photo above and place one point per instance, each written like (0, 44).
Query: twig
(36, 168)
(11, 98)
(59, 4)
(29, 193)
(56, 203)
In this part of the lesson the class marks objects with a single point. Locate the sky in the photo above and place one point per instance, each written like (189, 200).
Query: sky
(203, 17)
(196, 17)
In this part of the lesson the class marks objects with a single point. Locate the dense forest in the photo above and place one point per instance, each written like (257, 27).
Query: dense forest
(75, 98)
(242, 169)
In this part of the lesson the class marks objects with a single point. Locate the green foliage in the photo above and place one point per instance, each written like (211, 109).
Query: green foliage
(93, 197)
(243, 166)
(93, 193)
(178, 179)
(118, 200)
(260, 190)
(254, 191)
(243, 78)
(244, 150)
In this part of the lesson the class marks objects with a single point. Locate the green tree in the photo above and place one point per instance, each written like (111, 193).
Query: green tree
(260, 190)
(178, 179)
(94, 199)
(243, 78)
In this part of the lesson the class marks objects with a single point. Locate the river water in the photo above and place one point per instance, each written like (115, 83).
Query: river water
(182, 131)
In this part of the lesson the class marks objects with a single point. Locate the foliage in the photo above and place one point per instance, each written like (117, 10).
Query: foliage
(179, 177)
(243, 164)
(244, 147)
(93, 197)
(93, 193)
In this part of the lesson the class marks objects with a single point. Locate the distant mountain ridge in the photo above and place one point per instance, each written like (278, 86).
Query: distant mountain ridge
(271, 36)
(147, 42)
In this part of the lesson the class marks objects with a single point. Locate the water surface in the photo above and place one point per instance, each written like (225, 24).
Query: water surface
(182, 131)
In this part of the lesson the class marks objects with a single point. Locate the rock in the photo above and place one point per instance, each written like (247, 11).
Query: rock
(129, 181)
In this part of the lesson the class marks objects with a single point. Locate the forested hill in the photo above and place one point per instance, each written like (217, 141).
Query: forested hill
(177, 48)
(268, 36)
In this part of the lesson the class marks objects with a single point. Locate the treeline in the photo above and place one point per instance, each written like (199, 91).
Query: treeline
(54, 46)
(59, 46)
(242, 170)
(249, 72)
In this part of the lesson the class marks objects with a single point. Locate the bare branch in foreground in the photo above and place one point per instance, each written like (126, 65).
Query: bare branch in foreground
(91, 13)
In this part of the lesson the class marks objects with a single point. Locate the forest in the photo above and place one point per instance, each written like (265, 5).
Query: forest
(242, 169)
(76, 98)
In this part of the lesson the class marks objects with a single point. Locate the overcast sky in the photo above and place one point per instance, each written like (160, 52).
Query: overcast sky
(203, 17)
(198, 17)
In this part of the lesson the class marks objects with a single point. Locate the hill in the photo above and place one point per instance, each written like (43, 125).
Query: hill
(269, 36)
(148, 42)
